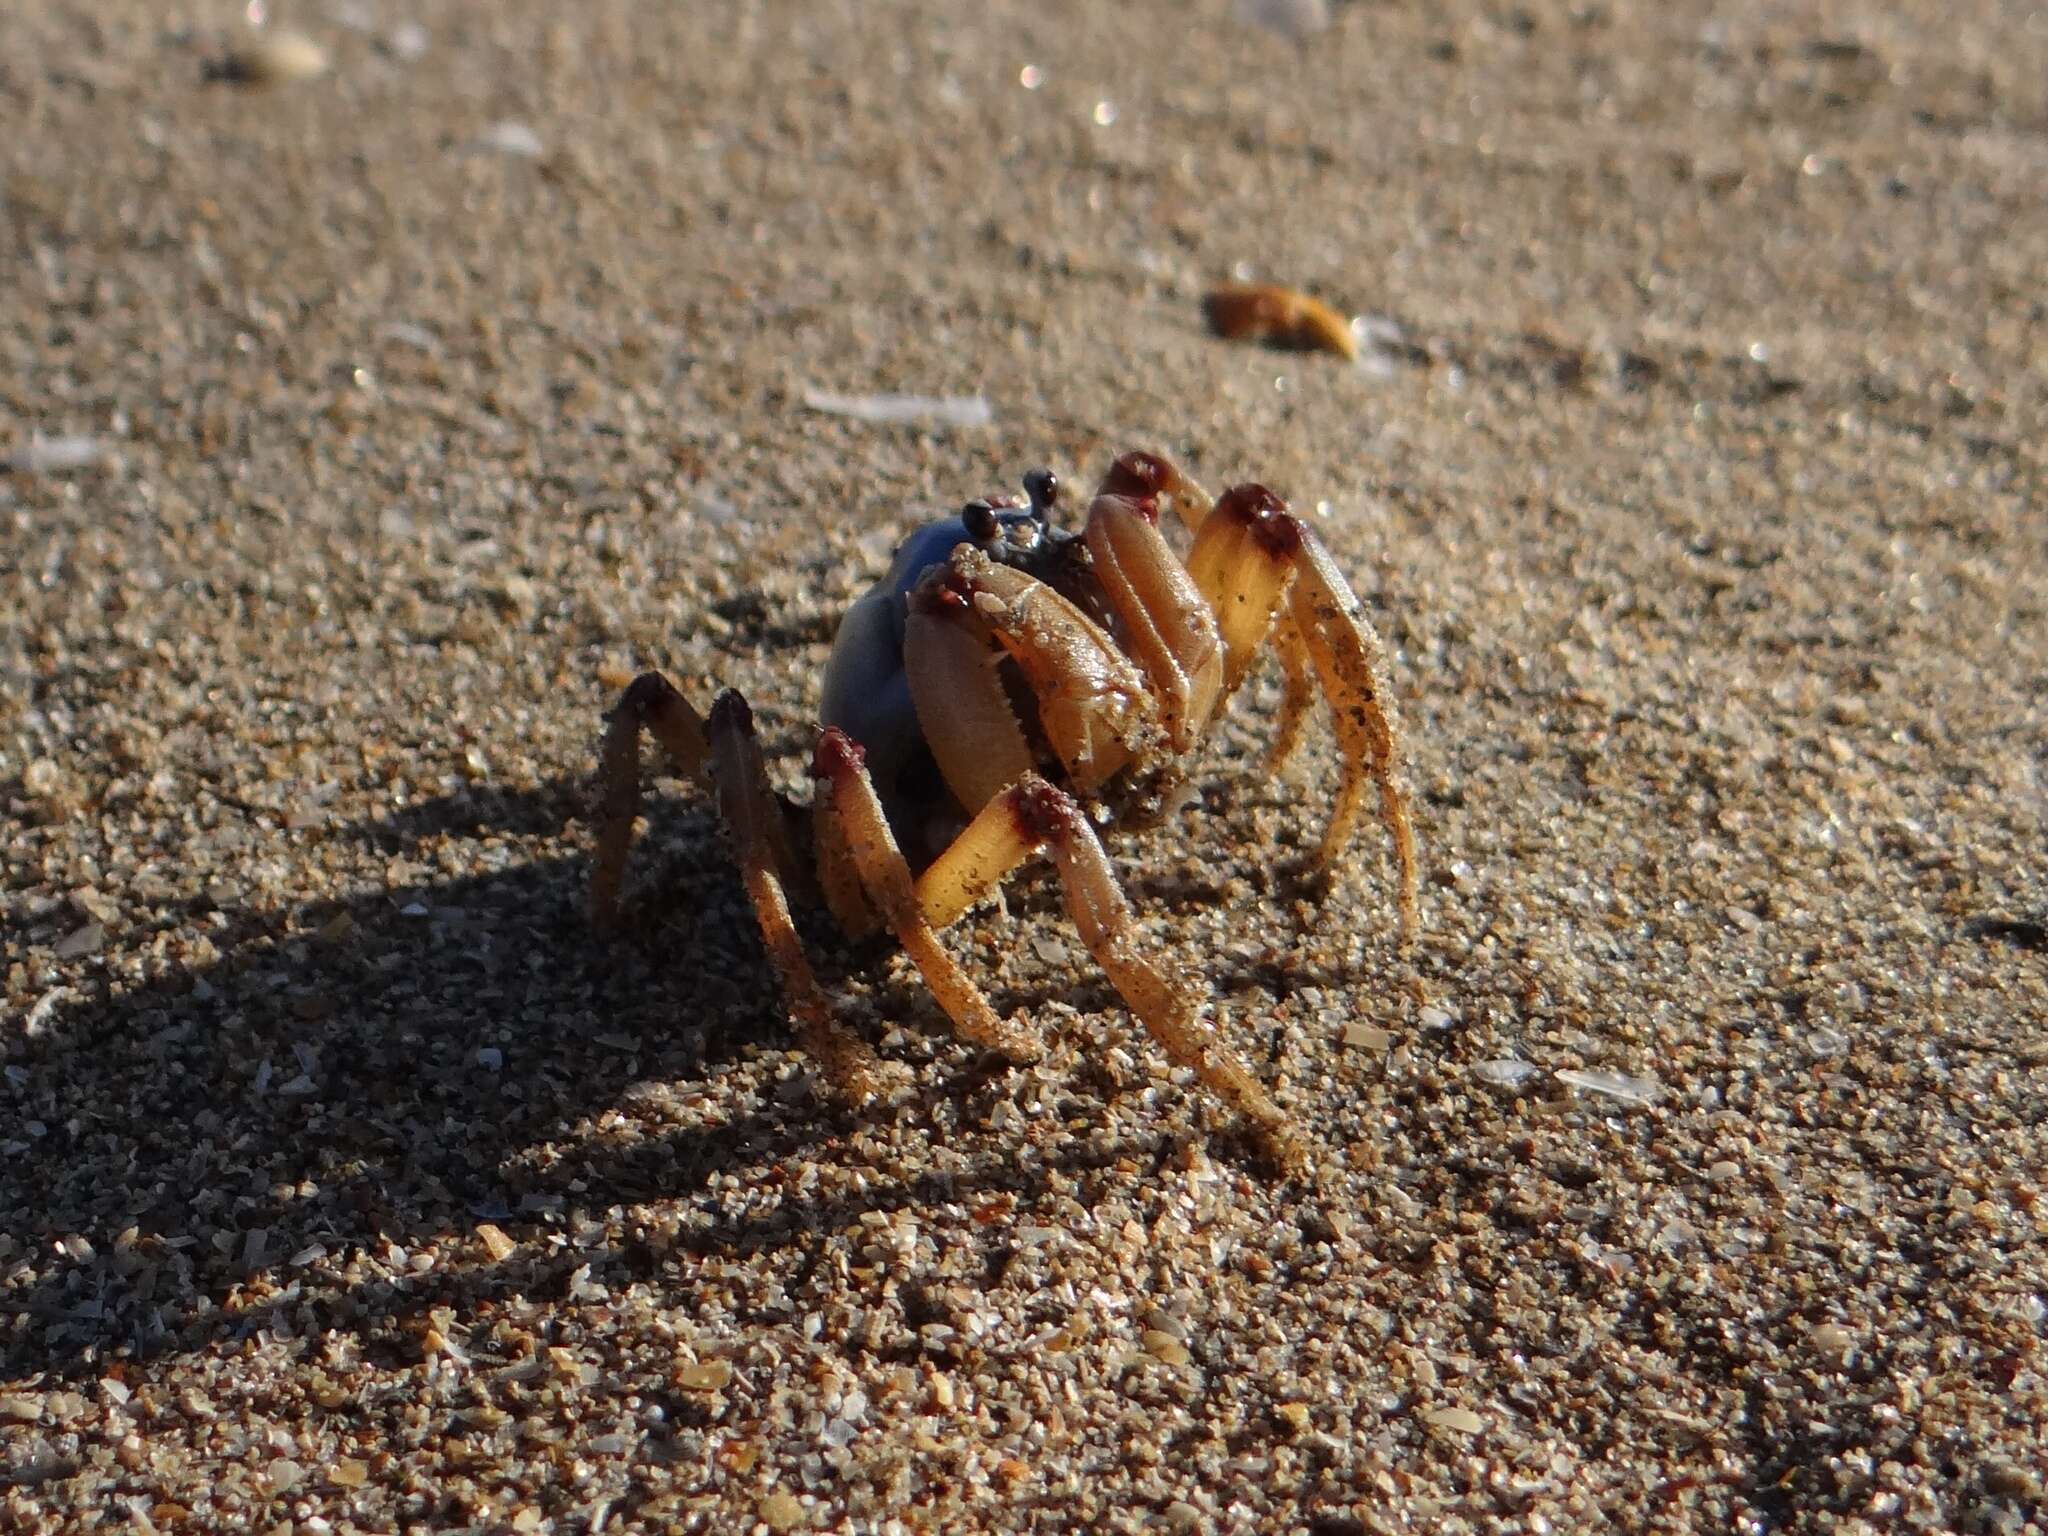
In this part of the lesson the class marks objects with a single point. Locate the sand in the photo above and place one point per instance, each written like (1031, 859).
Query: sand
(367, 430)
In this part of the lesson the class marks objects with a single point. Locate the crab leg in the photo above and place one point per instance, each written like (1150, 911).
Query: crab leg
(754, 816)
(968, 723)
(1139, 474)
(1244, 582)
(838, 872)
(1243, 577)
(1298, 692)
(1248, 551)
(1242, 590)
(723, 755)
(1350, 661)
(851, 815)
(1031, 817)
(650, 703)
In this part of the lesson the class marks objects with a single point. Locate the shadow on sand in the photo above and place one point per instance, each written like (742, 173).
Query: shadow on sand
(212, 1153)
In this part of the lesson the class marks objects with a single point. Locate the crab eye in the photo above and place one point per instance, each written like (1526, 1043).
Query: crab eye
(1043, 487)
(979, 519)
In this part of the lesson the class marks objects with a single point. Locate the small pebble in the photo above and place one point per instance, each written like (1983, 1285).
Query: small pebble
(1294, 19)
(1461, 1421)
(705, 1376)
(81, 942)
(1833, 1339)
(1164, 1346)
(272, 58)
(56, 455)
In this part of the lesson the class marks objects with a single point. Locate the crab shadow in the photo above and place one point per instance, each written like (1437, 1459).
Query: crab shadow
(205, 1154)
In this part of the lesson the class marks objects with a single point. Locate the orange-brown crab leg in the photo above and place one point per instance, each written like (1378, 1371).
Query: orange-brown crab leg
(838, 874)
(851, 815)
(652, 704)
(1298, 692)
(724, 755)
(1248, 614)
(1246, 618)
(1139, 475)
(754, 815)
(1032, 816)
(1244, 584)
(1243, 560)
(1350, 661)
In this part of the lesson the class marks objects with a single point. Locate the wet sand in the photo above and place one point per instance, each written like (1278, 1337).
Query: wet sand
(367, 432)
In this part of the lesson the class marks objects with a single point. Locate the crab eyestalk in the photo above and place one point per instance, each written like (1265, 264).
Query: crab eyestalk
(979, 519)
(1042, 486)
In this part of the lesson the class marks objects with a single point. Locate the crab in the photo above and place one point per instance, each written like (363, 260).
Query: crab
(1003, 680)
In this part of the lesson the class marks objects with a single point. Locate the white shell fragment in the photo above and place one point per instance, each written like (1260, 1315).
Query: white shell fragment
(56, 455)
(510, 138)
(1505, 1072)
(409, 41)
(936, 410)
(1380, 342)
(1613, 1085)
(1290, 18)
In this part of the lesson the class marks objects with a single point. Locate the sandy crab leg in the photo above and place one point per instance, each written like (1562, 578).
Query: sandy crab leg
(1350, 661)
(754, 816)
(1139, 475)
(848, 800)
(1297, 694)
(838, 872)
(1032, 817)
(1244, 557)
(652, 704)
(724, 755)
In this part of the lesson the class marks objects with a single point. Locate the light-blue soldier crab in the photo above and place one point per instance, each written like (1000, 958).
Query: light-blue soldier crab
(1004, 674)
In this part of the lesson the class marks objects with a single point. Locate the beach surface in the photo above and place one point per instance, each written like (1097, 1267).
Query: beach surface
(366, 430)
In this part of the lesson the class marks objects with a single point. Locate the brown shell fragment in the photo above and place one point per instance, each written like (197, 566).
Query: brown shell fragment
(1278, 317)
